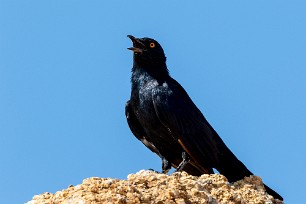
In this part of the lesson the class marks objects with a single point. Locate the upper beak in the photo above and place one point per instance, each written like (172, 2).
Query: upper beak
(138, 46)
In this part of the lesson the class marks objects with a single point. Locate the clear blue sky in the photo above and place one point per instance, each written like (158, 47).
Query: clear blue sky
(65, 78)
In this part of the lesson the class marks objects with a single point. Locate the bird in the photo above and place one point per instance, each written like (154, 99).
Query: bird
(164, 118)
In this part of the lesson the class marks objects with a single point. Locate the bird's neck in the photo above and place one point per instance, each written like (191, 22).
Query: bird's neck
(156, 69)
(141, 75)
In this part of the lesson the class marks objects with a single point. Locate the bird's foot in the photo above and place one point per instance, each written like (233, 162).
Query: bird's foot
(185, 161)
(166, 166)
(154, 171)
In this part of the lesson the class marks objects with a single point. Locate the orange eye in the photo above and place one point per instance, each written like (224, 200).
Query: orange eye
(152, 45)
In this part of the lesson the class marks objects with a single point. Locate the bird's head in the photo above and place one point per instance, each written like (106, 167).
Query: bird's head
(148, 54)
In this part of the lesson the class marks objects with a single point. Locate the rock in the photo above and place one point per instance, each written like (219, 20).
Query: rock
(151, 187)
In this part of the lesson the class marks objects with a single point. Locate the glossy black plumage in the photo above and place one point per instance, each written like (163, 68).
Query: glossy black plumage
(164, 118)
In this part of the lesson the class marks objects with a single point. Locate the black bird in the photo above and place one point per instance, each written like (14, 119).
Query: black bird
(164, 118)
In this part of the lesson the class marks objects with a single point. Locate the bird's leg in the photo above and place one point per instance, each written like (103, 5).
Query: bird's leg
(166, 165)
(185, 161)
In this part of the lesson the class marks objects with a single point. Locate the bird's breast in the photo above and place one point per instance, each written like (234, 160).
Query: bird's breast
(143, 106)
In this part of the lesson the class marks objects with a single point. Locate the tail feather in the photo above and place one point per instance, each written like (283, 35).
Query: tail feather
(273, 193)
(234, 170)
(231, 167)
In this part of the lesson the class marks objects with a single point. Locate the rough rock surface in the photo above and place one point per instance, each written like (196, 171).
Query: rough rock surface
(151, 187)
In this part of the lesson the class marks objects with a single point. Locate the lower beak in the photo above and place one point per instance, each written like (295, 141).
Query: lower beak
(135, 49)
(137, 45)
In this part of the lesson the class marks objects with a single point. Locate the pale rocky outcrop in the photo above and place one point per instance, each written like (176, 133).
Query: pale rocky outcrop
(151, 187)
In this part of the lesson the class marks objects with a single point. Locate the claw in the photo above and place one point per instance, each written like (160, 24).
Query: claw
(154, 171)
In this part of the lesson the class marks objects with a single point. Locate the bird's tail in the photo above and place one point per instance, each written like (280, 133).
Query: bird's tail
(234, 170)
(273, 193)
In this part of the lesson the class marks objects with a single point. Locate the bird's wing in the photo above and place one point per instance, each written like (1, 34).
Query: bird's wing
(178, 113)
(137, 129)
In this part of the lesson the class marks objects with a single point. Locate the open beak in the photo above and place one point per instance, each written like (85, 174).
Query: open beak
(138, 46)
